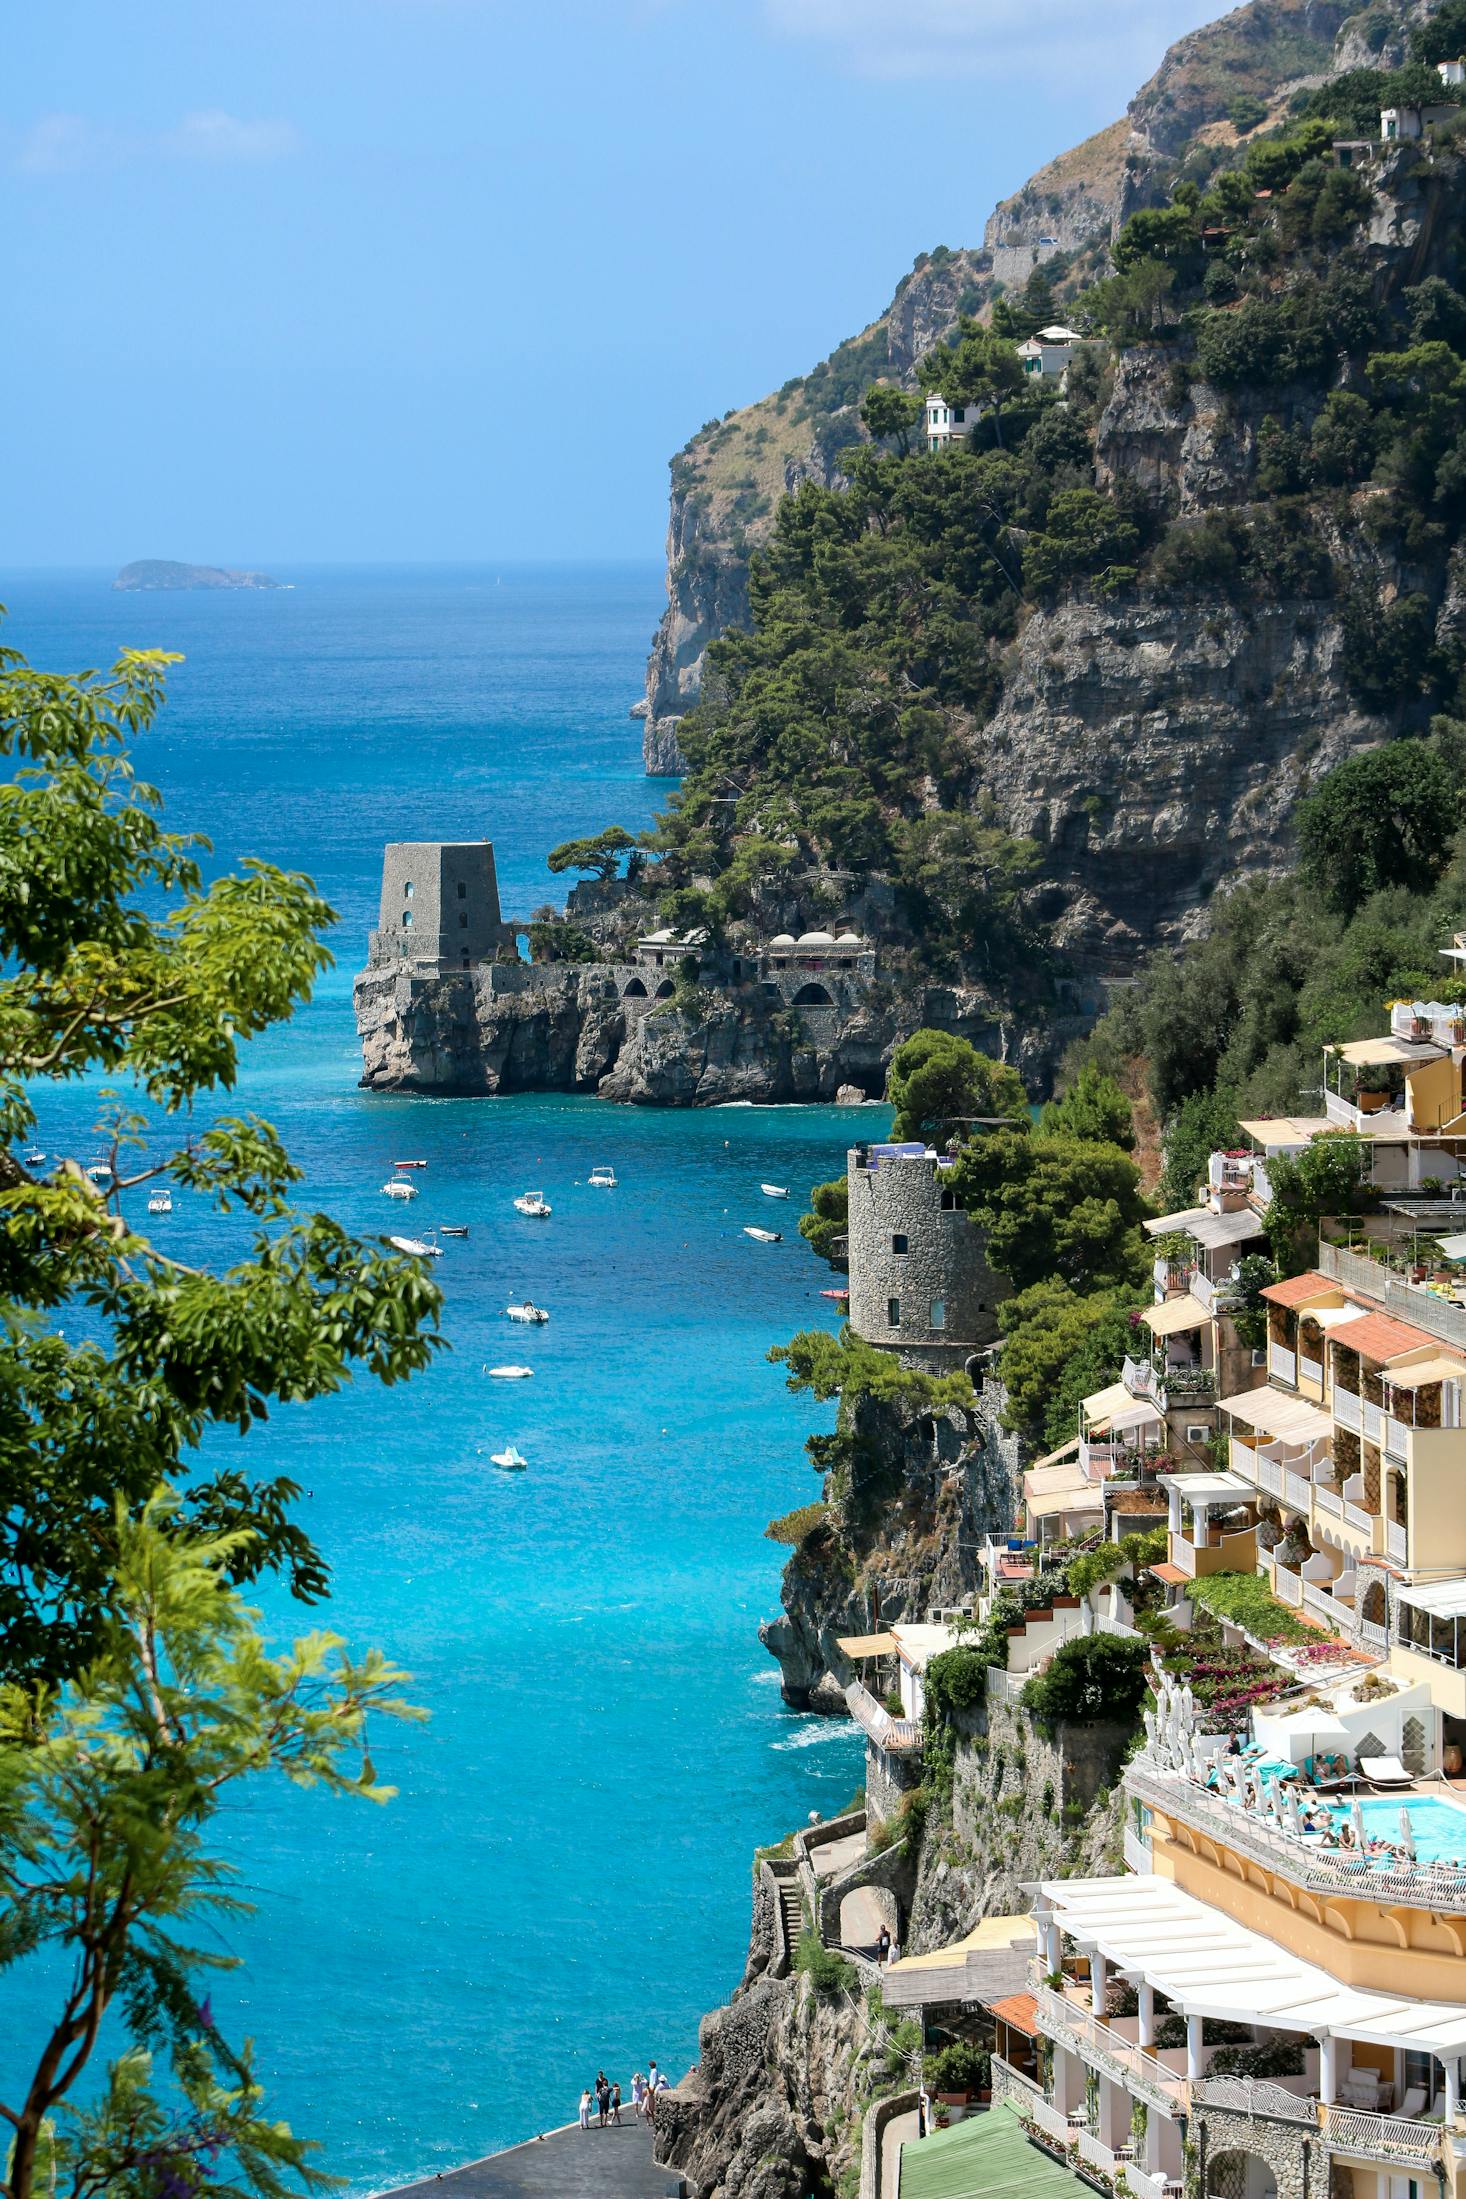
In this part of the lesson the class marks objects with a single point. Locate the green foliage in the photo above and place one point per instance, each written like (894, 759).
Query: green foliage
(108, 1793)
(1328, 1178)
(796, 1528)
(1442, 37)
(960, 2067)
(116, 1359)
(845, 1366)
(956, 1681)
(939, 1085)
(1384, 818)
(1093, 1568)
(890, 415)
(1242, 1599)
(825, 1225)
(1093, 1677)
(553, 940)
(977, 368)
(1246, 112)
(1087, 537)
(1203, 1124)
(599, 853)
(1055, 1208)
(1060, 1346)
(1092, 1109)
(827, 1972)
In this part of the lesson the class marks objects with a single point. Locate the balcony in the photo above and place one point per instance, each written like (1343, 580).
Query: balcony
(1216, 1292)
(1214, 1553)
(1381, 2137)
(1397, 1542)
(1139, 1377)
(1182, 1382)
(1106, 2048)
(1348, 1410)
(897, 1736)
(1282, 1364)
(1310, 1370)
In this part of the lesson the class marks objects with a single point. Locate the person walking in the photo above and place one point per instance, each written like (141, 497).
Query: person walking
(638, 2093)
(616, 2103)
(585, 2109)
(603, 2096)
(883, 1943)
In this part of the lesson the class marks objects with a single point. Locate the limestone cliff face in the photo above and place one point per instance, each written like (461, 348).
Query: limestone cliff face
(727, 480)
(575, 1028)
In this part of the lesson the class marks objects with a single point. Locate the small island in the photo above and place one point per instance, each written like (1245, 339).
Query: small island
(153, 573)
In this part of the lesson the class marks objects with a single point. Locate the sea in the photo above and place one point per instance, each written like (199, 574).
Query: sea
(562, 1883)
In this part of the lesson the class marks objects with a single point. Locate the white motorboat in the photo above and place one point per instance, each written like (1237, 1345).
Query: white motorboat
(529, 1311)
(509, 1374)
(419, 1248)
(161, 1202)
(774, 1190)
(101, 1171)
(454, 1229)
(765, 1236)
(603, 1178)
(398, 1189)
(533, 1202)
(512, 1461)
(34, 1160)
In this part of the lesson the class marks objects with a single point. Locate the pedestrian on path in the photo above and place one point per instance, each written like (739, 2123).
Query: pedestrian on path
(638, 2093)
(616, 2103)
(585, 2109)
(603, 2096)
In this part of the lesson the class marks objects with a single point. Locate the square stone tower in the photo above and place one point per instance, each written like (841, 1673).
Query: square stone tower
(440, 906)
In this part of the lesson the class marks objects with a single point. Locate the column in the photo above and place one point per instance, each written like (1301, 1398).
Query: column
(1053, 1946)
(1173, 1509)
(1328, 2069)
(1099, 1979)
(1146, 1997)
(1452, 2068)
(1194, 2053)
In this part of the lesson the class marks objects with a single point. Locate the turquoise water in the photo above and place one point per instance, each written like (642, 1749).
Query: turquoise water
(563, 1883)
(1437, 1828)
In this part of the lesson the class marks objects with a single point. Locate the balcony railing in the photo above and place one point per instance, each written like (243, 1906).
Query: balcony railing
(1396, 1542)
(1376, 1635)
(1215, 1292)
(1138, 1376)
(1395, 1437)
(1347, 1410)
(1328, 1500)
(1380, 2137)
(1282, 1363)
(1107, 2159)
(1253, 2096)
(1287, 1585)
(1320, 1599)
(1356, 1515)
(1269, 1475)
(898, 1736)
(1374, 1423)
(1297, 1490)
(1310, 1370)
(1107, 2049)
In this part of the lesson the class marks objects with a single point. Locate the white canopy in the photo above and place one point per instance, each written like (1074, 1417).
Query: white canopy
(1165, 1224)
(1454, 1248)
(1176, 1315)
(1206, 1964)
(1206, 1490)
(1376, 1053)
(1214, 1231)
(1289, 1419)
(1442, 1599)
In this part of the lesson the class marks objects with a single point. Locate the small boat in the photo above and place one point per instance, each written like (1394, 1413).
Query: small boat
(453, 1229)
(512, 1461)
(161, 1202)
(529, 1311)
(34, 1160)
(409, 1164)
(509, 1374)
(774, 1190)
(765, 1236)
(101, 1171)
(397, 1189)
(603, 1179)
(533, 1202)
(419, 1249)
(842, 1295)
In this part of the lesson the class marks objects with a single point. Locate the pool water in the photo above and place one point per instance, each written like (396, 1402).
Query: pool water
(1437, 1827)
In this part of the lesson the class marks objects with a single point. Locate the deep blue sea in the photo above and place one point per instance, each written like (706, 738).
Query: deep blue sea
(563, 1883)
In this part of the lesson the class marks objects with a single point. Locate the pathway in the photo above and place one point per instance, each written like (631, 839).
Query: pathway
(898, 2131)
(565, 2164)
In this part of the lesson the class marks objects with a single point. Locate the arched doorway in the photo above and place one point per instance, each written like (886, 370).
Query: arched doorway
(813, 996)
(635, 990)
(1238, 2175)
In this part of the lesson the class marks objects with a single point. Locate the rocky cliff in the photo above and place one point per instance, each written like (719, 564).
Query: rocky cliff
(727, 480)
(577, 1028)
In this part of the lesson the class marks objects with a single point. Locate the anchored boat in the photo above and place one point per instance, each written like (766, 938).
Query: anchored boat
(774, 1190)
(161, 1202)
(510, 1374)
(603, 1178)
(512, 1461)
(453, 1229)
(533, 1202)
(765, 1236)
(418, 1247)
(529, 1311)
(398, 1188)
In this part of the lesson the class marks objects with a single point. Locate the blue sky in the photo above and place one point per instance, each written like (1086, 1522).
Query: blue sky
(451, 279)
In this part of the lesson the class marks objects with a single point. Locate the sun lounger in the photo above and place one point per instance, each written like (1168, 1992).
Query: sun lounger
(1385, 1771)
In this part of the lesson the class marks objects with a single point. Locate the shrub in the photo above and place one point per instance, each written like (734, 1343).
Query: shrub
(957, 1680)
(826, 1971)
(961, 2067)
(1243, 1599)
(796, 1527)
(1098, 1676)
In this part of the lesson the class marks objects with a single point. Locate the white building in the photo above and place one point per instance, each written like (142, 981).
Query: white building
(1048, 354)
(948, 424)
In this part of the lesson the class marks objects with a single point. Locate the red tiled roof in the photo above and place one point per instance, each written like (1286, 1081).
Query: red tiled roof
(1172, 1575)
(1380, 1336)
(1020, 2010)
(1298, 1289)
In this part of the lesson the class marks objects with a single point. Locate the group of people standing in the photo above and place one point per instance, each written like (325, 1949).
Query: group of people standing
(603, 2099)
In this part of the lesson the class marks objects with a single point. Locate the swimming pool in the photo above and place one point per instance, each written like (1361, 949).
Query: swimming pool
(1437, 1827)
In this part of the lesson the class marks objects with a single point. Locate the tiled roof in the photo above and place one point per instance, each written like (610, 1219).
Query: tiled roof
(1298, 1289)
(1379, 1336)
(1018, 2009)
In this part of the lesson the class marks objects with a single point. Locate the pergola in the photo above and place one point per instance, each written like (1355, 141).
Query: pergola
(1442, 1605)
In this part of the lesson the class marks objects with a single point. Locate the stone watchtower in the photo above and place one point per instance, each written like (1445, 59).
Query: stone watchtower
(920, 1284)
(440, 906)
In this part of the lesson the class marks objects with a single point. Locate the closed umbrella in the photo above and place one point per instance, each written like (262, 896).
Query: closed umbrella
(1407, 1837)
(1356, 1819)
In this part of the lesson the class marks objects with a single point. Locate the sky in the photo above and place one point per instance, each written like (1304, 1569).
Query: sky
(448, 280)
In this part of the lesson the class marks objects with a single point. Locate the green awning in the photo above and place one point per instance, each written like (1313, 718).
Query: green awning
(984, 2157)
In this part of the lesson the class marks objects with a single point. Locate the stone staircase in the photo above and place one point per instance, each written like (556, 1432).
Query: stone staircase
(791, 1913)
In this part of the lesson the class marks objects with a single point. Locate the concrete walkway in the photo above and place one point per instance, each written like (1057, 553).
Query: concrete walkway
(895, 2135)
(565, 2164)
(834, 1855)
(861, 1918)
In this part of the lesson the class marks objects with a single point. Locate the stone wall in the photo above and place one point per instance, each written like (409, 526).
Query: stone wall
(1292, 2152)
(900, 1203)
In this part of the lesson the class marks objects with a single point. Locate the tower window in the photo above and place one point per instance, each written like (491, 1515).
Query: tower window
(463, 920)
(939, 1313)
(899, 1244)
(465, 961)
(407, 891)
(407, 920)
(462, 891)
(893, 1313)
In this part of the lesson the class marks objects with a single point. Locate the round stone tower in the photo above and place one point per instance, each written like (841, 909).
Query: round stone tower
(920, 1285)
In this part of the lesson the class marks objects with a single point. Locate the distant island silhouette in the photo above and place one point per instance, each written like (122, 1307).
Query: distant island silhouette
(165, 572)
